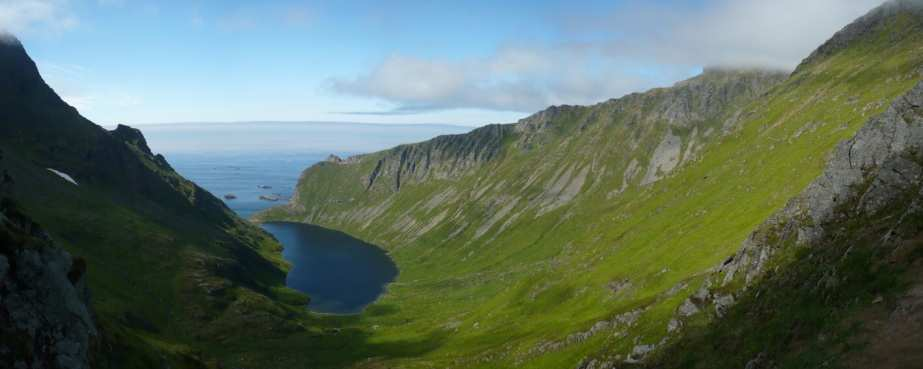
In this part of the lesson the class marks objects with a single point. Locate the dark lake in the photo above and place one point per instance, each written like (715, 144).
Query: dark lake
(341, 274)
(256, 160)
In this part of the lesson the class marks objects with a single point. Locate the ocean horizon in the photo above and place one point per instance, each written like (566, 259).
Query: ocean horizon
(252, 166)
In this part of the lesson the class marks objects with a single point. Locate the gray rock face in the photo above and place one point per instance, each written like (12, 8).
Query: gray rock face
(688, 308)
(639, 352)
(709, 94)
(334, 159)
(441, 157)
(596, 364)
(686, 103)
(881, 165)
(666, 157)
(45, 319)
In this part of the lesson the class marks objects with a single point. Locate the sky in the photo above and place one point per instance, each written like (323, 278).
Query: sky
(470, 62)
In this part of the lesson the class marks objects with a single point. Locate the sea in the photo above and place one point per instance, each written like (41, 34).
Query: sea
(256, 165)
(245, 161)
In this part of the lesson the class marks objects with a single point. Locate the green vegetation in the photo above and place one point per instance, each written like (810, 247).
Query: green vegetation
(171, 269)
(834, 293)
(500, 267)
(577, 233)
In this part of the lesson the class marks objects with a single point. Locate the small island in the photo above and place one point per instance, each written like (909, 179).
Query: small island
(272, 198)
(230, 196)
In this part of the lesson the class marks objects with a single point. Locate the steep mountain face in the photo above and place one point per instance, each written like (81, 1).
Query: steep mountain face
(847, 243)
(441, 158)
(663, 129)
(642, 229)
(170, 266)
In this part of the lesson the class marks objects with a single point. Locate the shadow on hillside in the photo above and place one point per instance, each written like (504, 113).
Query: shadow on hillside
(798, 316)
(336, 348)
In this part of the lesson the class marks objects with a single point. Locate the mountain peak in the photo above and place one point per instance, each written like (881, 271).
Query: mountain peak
(131, 136)
(7, 38)
(13, 57)
(874, 21)
(19, 76)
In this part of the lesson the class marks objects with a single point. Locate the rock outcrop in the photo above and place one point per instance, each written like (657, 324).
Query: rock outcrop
(131, 136)
(45, 316)
(439, 158)
(571, 149)
(871, 191)
(880, 165)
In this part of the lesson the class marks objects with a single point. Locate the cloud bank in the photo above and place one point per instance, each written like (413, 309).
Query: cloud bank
(514, 79)
(634, 46)
(18, 16)
(752, 33)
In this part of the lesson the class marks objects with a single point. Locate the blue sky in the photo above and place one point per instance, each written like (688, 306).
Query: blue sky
(452, 62)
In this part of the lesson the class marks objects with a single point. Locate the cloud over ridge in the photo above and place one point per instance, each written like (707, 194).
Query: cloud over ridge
(634, 46)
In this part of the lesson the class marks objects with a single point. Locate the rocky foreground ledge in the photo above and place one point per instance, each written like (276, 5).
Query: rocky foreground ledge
(45, 317)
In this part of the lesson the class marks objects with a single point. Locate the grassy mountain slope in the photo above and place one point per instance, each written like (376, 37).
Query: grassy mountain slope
(582, 231)
(171, 269)
(832, 280)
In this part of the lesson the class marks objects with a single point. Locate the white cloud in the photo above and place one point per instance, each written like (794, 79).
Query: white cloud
(22, 15)
(775, 34)
(513, 79)
(600, 55)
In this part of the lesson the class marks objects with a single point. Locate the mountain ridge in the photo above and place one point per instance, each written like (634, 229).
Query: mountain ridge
(168, 263)
(453, 155)
(584, 242)
(867, 24)
(738, 219)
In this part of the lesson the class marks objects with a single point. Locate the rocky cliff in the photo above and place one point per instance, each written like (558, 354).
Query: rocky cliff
(440, 158)
(844, 252)
(638, 139)
(45, 316)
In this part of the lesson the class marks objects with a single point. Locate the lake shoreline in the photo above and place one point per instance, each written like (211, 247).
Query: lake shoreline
(341, 274)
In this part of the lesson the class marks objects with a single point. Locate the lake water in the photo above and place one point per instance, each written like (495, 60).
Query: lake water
(248, 160)
(340, 273)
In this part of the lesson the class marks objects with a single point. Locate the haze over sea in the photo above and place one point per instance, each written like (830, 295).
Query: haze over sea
(341, 274)
(254, 159)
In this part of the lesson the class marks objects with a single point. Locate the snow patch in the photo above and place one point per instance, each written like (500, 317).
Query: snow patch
(63, 175)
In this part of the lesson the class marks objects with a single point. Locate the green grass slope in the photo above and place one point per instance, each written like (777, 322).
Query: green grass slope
(172, 271)
(833, 280)
(581, 231)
